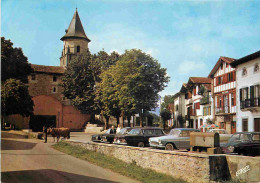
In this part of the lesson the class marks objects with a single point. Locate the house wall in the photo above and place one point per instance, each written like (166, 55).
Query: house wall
(252, 78)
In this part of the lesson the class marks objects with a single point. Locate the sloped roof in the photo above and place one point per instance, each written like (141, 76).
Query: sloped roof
(220, 60)
(207, 86)
(75, 29)
(183, 88)
(200, 80)
(246, 58)
(48, 69)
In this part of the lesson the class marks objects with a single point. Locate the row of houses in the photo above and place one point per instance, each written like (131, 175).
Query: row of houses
(228, 97)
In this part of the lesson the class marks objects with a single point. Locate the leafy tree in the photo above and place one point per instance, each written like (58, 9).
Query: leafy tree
(15, 99)
(13, 62)
(166, 115)
(146, 82)
(79, 83)
(168, 99)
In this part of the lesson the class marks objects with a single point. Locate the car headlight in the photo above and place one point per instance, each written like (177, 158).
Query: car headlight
(159, 141)
(149, 140)
(231, 148)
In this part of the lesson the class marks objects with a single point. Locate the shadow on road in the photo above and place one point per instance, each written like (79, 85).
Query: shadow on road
(47, 175)
(16, 145)
(14, 136)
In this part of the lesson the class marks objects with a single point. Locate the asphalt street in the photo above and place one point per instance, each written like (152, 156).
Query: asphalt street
(31, 160)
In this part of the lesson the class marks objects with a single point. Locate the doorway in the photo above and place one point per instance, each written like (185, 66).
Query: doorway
(38, 121)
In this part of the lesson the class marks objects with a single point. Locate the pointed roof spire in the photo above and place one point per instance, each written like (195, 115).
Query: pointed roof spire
(75, 29)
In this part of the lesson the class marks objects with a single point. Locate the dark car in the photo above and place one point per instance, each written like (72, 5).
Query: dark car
(244, 143)
(120, 137)
(108, 137)
(98, 137)
(140, 136)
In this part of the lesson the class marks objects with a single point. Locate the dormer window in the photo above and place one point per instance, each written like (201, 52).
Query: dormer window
(244, 72)
(78, 49)
(256, 68)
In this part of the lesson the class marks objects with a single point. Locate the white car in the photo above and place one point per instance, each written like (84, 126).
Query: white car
(223, 135)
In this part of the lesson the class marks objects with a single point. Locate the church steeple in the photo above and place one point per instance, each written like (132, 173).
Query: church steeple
(75, 29)
(75, 40)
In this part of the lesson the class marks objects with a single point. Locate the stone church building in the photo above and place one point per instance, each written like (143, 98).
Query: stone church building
(50, 106)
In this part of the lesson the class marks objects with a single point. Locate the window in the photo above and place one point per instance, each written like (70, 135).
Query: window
(244, 72)
(219, 98)
(177, 107)
(230, 77)
(54, 78)
(227, 65)
(33, 77)
(221, 66)
(245, 125)
(256, 68)
(78, 49)
(54, 90)
(148, 132)
(220, 80)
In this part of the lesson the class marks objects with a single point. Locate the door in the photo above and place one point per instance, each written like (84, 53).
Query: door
(226, 104)
(257, 124)
(233, 127)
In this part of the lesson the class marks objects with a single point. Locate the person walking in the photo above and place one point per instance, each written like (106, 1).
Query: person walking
(45, 133)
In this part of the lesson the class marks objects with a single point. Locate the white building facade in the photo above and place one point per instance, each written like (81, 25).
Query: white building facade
(248, 92)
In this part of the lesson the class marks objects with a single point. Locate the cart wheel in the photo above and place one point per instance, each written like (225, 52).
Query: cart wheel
(169, 147)
(140, 144)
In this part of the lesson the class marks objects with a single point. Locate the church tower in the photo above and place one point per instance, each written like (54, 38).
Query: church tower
(75, 40)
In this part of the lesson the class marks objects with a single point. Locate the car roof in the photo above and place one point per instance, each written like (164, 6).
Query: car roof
(247, 133)
(183, 129)
(149, 128)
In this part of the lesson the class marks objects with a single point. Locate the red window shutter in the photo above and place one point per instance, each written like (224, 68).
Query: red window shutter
(216, 81)
(218, 101)
(194, 91)
(198, 105)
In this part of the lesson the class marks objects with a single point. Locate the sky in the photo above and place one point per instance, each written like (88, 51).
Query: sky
(186, 37)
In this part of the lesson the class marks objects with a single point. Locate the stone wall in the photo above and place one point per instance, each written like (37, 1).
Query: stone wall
(191, 167)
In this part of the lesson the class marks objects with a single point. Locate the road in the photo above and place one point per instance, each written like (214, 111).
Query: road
(31, 160)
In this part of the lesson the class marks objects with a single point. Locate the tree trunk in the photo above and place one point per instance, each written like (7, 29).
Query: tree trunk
(129, 119)
(107, 122)
(117, 120)
(141, 119)
(92, 118)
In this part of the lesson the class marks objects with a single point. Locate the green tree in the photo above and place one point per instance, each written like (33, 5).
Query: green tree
(147, 81)
(78, 83)
(168, 99)
(166, 115)
(15, 99)
(13, 62)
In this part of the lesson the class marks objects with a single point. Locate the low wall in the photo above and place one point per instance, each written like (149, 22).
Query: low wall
(191, 167)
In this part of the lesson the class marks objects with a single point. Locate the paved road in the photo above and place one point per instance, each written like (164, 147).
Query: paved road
(30, 160)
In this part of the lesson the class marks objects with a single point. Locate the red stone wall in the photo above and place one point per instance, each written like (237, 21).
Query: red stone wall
(66, 116)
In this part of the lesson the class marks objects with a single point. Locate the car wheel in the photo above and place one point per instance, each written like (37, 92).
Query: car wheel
(140, 144)
(169, 147)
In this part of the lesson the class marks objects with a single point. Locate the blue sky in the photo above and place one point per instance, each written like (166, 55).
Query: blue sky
(186, 37)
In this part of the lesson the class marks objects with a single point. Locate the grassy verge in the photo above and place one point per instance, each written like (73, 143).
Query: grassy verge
(116, 165)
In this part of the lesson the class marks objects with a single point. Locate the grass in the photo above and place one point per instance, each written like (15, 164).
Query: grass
(127, 169)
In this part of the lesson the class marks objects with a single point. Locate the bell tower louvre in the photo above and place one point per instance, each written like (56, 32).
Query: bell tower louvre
(75, 40)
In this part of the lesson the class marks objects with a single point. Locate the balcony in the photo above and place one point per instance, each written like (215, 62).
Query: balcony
(204, 100)
(222, 110)
(249, 104)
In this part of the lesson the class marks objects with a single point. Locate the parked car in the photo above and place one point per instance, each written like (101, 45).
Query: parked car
(140, 136)
(98, 137)
(224, 136)
(178, 138)
(244, 143)
(110, 137)
(120, 137)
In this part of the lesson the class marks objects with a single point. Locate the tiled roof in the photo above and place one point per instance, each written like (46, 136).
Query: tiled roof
(246, 58)
(48, 69)
(200, 80)
(217, 65)
(75, 29)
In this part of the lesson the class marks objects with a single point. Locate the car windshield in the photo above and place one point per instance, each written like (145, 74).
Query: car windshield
(256, 137)
(135, 131)
(108, 131)
(123, 131)
(174, 132)
(234, 137)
